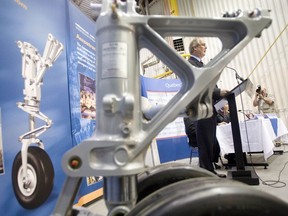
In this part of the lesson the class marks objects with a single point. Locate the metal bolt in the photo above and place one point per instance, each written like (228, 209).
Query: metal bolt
(75, 163)
(125, 129)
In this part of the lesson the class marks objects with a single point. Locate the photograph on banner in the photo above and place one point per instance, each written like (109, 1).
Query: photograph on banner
(88, 97)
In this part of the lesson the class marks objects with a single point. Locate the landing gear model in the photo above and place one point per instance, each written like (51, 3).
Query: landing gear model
(33, 172)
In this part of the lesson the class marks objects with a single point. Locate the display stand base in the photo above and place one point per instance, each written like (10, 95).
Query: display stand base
(232, 162)
(278, 152)
(247, 176)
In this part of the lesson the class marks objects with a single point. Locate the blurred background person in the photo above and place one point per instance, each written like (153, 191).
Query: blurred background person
(264, 101)
(223, 115)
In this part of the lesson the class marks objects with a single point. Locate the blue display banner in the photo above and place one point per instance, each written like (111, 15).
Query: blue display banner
(31, 99)
(81, 49)
(160, 85)
(171, 141)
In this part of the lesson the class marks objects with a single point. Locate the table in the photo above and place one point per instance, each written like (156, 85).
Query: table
(256, 136)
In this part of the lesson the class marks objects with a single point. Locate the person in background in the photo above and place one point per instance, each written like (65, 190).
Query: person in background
(264, 101)
(223, 115)
(190, 131)
(205, 129)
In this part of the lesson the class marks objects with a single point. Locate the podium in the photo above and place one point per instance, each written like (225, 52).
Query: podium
(241, 173)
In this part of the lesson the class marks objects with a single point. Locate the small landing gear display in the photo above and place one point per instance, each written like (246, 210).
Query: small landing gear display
(33, 172)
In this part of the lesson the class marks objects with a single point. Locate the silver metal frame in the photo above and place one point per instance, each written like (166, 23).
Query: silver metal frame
(118, 146)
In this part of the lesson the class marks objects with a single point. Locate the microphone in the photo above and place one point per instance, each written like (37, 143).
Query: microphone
(238, 77)
(248, 115)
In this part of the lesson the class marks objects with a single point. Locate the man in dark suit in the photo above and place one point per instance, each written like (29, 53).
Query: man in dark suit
(205, 129)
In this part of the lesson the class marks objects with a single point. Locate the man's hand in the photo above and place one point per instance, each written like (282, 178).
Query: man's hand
(223, 92)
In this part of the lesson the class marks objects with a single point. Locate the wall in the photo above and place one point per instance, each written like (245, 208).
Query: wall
(264, 60)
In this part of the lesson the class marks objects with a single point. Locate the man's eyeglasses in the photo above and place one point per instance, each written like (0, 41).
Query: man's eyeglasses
(202, 44)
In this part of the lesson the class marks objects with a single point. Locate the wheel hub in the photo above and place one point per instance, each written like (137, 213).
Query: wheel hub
(27, 184)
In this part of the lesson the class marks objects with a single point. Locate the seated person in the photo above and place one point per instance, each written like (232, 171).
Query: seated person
(190, 131)
(223, 115)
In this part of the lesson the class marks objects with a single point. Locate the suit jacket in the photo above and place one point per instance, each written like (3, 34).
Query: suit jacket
(216, 92)
(190, 127)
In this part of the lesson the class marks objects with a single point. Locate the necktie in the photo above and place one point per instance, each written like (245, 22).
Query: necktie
(201, 63)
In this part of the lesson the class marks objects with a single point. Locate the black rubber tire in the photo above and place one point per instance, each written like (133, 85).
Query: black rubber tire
(165, 174)
(209, 197)
(40, 165)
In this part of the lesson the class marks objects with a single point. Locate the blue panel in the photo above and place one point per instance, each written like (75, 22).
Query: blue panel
(274, 122)
(31, 22)
(81, 49)
(174, 149)
(162, 85)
